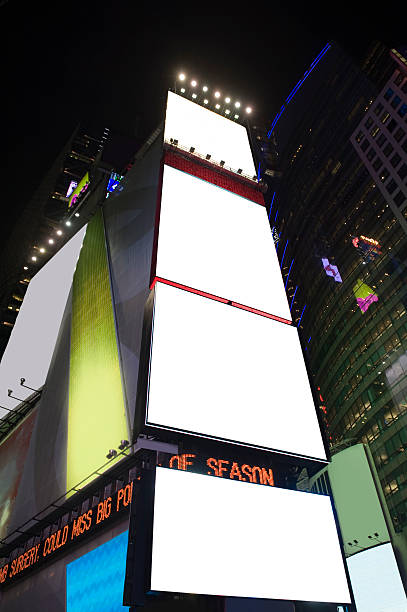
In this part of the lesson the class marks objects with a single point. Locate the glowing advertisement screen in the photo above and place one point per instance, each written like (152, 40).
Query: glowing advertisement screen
(244, 540)
(223, 372)
(376, 582)
(209, 133)
(29, 350)
(216, 241)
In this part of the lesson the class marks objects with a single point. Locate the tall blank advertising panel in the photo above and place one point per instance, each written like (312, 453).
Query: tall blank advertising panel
(244, 540)
(209, 133)
(216, 241)
(223, 372)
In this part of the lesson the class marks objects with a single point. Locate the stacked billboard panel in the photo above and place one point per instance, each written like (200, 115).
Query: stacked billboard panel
(224, 366)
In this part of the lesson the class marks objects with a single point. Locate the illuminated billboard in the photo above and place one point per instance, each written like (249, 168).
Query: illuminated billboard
(226, 373)
(216, 241)
(209, 133)
(376, 582)
(365, 296)
(30, 347)
(95, 580)
(244, 540)
(81, 187)
(331, 270)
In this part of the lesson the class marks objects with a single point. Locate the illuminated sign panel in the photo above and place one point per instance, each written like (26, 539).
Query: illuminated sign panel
(222, 372)
(376, 581)
(365, 296)
(209, 133)
(216, 241)
(79, 190)
(242, 540)
(29, 351)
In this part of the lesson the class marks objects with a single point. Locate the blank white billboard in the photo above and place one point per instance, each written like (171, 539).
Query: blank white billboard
(376, 582)
(195, 126)
(223, 372)
(29, 350)
(218, 242)
(222, 537)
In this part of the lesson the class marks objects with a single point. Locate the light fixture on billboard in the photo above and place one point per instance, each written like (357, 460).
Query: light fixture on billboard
(204, 88)
(194, 95)
(123, 444)
(192, 149)
(227, 100)
(208, 156)
(181, 76)
(237, 104)
(76, 214)
(206, 101)
(10, 394)
(217, 106)
(59, 232)
(236, 116)
(221, 163)
(22, 381)
(193, 83)
(51, 241)
(182, 90)
(33, 258)
(111, 454)
(239, 171)
(217, 94)
(68, 223)
(248, 110)
(227, 111)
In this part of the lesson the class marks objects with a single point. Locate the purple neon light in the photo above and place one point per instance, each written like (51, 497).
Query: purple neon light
(296, 88)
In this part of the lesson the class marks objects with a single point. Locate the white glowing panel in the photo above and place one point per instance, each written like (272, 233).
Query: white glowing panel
(376, 582)
(218, 242)
(29, 350)
(195, 126)
(223, 537)
(223, 372)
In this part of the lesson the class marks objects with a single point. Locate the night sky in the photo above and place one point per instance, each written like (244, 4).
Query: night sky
(110, 63)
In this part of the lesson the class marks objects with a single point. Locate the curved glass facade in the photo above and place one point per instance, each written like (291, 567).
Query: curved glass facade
(343, 252)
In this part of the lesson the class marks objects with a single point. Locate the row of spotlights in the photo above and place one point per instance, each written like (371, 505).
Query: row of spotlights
(51, 240)
(217, 94)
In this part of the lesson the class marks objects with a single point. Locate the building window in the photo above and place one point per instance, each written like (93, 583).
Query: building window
(391, 186)
(377, 164)
(364, 145)
(388, 149)
(374, 131)
(395, 160)
(369, 122)
(371, 154)
(396, 101)
(388, 94)
(359, 137)
(381, 140)
(384, 175)
(402, 171)
(404, 146)
(403, 109)
(378, 109)
(398, 78)
(399, 198)
(404, 87)
(399, 134)
(391, 125)
(385, 117)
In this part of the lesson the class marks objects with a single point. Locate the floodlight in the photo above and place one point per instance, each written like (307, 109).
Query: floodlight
(33, 258)
(208, 156)
(182, 89)
(181, 76)
(51, 241)
(59, 232)
(236, 116)
(192, 149)
(123, 444)
(194, 95)
(204, 88)
(237, 104)
(42, 250)
(206, 101)
(111, 454)
(76, 214)
(227, 111)
(222, 163)
(248, 110)
(227, 100)
(193, 83)
(217, 106)
(217, 94)
(239, 171)
(68, 223)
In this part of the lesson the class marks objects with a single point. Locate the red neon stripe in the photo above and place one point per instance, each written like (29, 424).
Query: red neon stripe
(262, 313)
(190, 289)
(156, 224)
(211, 296)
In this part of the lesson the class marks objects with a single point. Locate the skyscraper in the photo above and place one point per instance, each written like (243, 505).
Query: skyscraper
(337, 201)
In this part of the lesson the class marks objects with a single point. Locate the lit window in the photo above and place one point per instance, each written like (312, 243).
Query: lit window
(388, 94)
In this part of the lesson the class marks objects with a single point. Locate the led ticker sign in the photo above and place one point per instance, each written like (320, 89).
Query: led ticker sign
(94, 518)
(224, 468)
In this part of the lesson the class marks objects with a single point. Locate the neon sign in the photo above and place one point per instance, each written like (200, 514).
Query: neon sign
(369, 248)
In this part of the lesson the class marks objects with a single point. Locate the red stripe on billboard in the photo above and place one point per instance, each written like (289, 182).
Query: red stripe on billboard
(210, 173)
